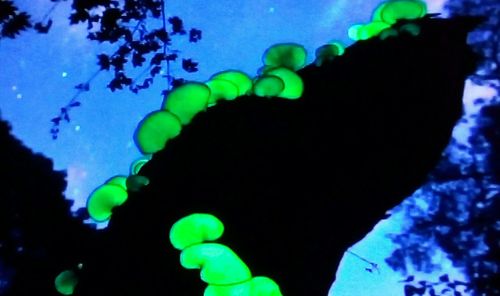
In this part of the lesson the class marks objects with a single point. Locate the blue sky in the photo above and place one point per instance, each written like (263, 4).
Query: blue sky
(39, 73)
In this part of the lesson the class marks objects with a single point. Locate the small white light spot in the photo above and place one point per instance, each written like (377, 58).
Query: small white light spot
(77, 128)
(14, 88)
(129, 144)
(64, 74)
(19, 96)
(271, 9)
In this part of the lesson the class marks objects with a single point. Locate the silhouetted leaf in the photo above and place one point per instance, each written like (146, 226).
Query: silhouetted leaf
(157, 58)
(444, 278)
(177, 25)
(7, 10)
(194, 35)
(104, 61)
(189, 66)
(83, 87)
(41, 28)
(16, 24)
(155, 70)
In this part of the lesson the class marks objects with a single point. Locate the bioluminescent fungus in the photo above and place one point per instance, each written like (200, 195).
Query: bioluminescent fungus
(155, 130)
(294, 86)
(195, 229)
(136, 182)
(387, 33)
(257, 286)
(221, 89)
(290, 55)
(367, 31)
(218, 263)
(328, 52)
(187, 100)
(137, 164)
(238, 78)
(66, 282)
(118, 180)
(392, 11)
(412, 29)
(102, 200)
(268, 86)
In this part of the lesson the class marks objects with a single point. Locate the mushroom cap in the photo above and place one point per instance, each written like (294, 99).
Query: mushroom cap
(119, 180)
(387, 33)
(268, 86)
(412, 29)
(239, 78)
(187, 100)
(65, 282)
(221, 89)
(328, 51)
(103, 199)
(219, 264)
(294, 86)
(195, 229)
(137, 164)
(290, 55)
(392, 11)
(367, 31)
(155, 130)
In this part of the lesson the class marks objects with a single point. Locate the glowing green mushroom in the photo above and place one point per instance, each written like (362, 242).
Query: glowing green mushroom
(102, 200)
(221, 89)
(328, 52)
(238, 78)
(137, 164)
(195, 229)
(219, 264)
(118, 180)
(294, 87)
(261, 286)
(289, 55)
(155, 130)
(66, 282)
(187, 100)
(412, 29)
(136, 182)
(395, 10)
(364, 32)
(387, 33)
(268, 86)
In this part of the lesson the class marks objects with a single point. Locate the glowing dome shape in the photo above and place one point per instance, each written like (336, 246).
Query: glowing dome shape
(268, 86)
(364, 32)
(195, 229)
(294, 87)
(187, 100)
(221, 89)
(219, 264)
(137, 164)
(136, 182)
(261, 286)
(412, 29)
(155, 130)
(328, 52)
(238, 78)
(65, 282)
(118, 180)
(392, 11)
(102, 200)
(387, 33)
(289, 55)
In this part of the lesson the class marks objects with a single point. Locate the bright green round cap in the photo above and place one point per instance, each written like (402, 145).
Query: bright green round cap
(65, 282)
(187, 100)
(155, 130)
(268, 86)
(294, 87)
(102, 200)
(195, 229)
(238, 78)
(290, 55)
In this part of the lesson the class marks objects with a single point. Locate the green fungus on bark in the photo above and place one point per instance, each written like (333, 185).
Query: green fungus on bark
(387, 33)
(118, 180)
(367, 31)
(195, 229)
(187, 100)
(136, 182)
(238, 78)
(218, 263)
(268, 86)
(155, 130)
(328, 52)
(261, 286)
(137, 164)
(103, 199)
(412, 29)
(221, 89)
(65, 282)
(392, 11)
(294, 86)
(290, 55)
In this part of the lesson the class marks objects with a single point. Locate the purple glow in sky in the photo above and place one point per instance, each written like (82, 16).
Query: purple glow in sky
(39, 73)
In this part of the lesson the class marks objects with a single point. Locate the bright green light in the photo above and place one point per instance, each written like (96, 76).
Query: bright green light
(118, 180)
(65, 282)
(102, 200)
(294, 87)
(328, 52)
(187, 100)
(221, 89)
(364, 32)
(238, 78)
(219, 264)
(195, 229)
(137, 164)
(258, 286)
(289, 55)
(268, 86)
(392, 11)
(155, 130)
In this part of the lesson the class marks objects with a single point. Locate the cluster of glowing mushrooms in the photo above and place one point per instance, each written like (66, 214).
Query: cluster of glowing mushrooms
(224, 272)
